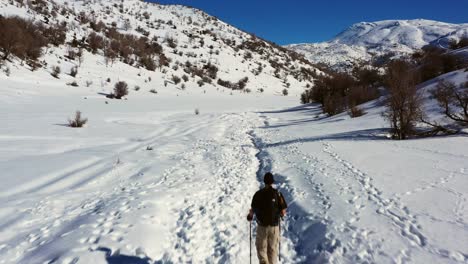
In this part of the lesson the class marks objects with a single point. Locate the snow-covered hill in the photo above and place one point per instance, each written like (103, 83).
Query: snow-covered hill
(200, 50)
(368, 40)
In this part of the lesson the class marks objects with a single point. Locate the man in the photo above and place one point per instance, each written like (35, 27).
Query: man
(268, 205)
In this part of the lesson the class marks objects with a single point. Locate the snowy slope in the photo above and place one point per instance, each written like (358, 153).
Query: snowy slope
(200, 39)
(368, 40)
(148, 181)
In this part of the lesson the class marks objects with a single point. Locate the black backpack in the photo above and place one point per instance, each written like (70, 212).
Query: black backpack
(269, 214)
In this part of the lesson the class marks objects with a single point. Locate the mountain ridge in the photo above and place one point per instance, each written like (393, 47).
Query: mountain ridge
(367, 40)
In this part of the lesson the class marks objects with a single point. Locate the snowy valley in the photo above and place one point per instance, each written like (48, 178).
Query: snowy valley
(166, 174)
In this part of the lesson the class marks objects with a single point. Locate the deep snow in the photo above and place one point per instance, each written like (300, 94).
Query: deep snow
(98, 195)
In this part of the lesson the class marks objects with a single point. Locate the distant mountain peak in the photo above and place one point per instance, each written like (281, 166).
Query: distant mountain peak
(365, 40)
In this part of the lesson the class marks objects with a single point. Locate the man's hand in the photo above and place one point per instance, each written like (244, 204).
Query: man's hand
(250, 215)
(283, 212)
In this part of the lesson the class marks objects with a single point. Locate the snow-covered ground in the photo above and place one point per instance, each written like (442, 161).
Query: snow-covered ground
(149, 181)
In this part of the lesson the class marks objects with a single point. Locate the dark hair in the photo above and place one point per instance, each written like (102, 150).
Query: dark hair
(268, 178)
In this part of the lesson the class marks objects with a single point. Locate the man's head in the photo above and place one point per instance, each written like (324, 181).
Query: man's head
(268, 178)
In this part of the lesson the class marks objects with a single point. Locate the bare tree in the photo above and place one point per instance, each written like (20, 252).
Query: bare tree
(404, 101)
(453, 100)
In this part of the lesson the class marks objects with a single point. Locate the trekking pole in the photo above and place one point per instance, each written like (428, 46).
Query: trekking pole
(279, 241)
(250, 228)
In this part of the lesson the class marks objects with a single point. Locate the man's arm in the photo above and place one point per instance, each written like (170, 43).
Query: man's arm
(252, 205)
(282, 204)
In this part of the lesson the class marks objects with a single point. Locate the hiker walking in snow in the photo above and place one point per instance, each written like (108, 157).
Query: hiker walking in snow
(268, 205)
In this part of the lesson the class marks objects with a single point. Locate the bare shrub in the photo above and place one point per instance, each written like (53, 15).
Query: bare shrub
(359, 94)
(176, 79)
(334, 104)
(435, 61)
(306, 97)
(7, 71)
(55, 71)
(74, 71)
(242, 83)
(224, 83)
(356, 112)
(211, 70)
(21, 38)
(197, 111)
(171, 42)
(95, 42)
(77, 121)
(120, 89)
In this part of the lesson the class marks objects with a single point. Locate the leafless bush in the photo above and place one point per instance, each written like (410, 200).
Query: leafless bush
(242, 83)
(176, 79)
(171, 42)
(197, 111)
(55, 71)
(356, 112)
(74, 71)
(77, 121)
(7, 71)
(334, 104)
(120, 89)
(21, 38)
(306, 97)
(95, 42)
(359, 94)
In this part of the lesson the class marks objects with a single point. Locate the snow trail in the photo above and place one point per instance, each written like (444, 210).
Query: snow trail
(361, 223)
(191, 211)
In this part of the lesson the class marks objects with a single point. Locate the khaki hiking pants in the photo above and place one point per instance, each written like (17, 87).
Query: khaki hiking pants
(267, 243)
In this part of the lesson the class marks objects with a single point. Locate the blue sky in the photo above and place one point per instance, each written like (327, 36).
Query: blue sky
(298, 21)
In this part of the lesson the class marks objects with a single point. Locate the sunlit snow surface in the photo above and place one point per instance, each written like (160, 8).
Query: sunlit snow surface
(147, 180)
